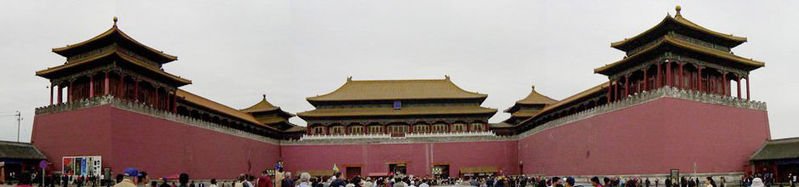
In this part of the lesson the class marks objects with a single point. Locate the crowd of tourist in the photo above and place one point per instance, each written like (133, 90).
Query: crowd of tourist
(132, 177)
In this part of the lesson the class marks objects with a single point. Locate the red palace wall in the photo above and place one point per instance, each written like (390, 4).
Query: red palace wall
(158, 146)
(419, 157)
(649, 138)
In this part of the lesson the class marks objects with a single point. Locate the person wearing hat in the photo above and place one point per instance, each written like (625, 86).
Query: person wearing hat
(129, 175)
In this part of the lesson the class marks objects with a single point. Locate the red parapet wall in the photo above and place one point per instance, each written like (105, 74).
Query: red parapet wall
(649, 138)
(419, 157)
(160, 147)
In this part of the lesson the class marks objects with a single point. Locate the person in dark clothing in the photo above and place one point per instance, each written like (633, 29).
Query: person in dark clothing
(163, 183)
(668, 182)
(338, 182)
(595, 182)
(522, 183)
(711, 181)
(287, 182)
(647, 182)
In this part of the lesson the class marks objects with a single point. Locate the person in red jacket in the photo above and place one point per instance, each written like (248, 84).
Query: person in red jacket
(264, 180)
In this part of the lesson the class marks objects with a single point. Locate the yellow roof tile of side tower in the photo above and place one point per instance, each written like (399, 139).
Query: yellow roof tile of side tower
(728, 39)
(261, 106)
(536, 98)
(116, 33)
(354, 90)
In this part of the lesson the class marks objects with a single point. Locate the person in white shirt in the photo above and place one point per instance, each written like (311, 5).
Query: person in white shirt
(424, 184)
(305, 180)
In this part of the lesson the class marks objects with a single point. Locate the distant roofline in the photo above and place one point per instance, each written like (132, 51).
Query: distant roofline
(349, 82)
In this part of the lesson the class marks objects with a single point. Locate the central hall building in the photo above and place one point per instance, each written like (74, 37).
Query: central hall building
(679, 99)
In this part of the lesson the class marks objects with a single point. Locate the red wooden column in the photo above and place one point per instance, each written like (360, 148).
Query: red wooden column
(175, 102)
(724, 83)
(681, 77)
(616, 92)
(91, 86)
(60, 89)
(156, 101)
(70, 91)
(122, 86)
(626, 85)
(658, 79)
(136, 90)
(646, 79)
(668, 73)
(747, 87)
(51, 93)
(610, 90)
(738, 81)
(699, 79)
(105, 84)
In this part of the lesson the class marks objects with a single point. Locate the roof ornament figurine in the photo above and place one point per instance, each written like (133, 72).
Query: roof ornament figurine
(446, 77)
(349, 78)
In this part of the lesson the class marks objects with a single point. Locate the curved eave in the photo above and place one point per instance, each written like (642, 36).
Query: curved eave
(684, 45)
(132, 60)
(220, 108)
(568, 100)
(325, 97)
(276, 109)
(393, 99)
(316, 114)
(734, 40)
(512, 109)
(69, 49)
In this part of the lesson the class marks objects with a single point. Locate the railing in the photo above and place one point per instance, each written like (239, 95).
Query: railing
(389, 136)
(146, 109)
(646, 96)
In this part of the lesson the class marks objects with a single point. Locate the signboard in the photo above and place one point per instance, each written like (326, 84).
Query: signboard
(43, 164)
(82, 165)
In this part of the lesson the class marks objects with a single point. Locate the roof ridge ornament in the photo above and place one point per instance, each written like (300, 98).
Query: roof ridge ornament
(678, 8)
(349, 78)
(115, 21)
(446, 77)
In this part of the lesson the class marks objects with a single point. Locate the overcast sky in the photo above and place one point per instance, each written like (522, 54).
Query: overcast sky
(234, 51)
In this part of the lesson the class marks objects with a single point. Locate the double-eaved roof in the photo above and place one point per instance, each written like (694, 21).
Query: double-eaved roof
(534, 98)
(439, 91)
(668, 35)
(113, 43)
(364, 90)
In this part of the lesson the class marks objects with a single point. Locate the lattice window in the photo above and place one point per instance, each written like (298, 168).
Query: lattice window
(397, 129)
(458, 127)
(337, 130)
(318, 130)
(356, 129)
(421, 128)
(478, 127)
(439, 128)
(375, 129)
